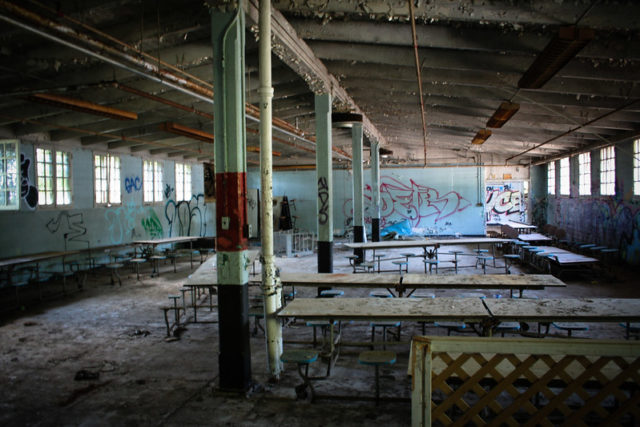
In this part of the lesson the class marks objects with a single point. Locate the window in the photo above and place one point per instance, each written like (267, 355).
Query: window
(551, 178)
(53, 172)
(636, 167)
(607, 171)
(183, 182)
(565, 179)
(584, 172)
(152, 181)
(107, 179)
(9, 180)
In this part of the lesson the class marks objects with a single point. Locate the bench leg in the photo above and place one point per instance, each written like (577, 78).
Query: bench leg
(377, 385)
(166, 322)
(115, 275)
(301, 389)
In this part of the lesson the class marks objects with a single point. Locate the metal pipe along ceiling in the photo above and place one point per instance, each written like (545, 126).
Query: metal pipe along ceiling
(149, 70)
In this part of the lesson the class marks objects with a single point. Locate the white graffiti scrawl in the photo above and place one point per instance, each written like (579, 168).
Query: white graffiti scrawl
(423, 206)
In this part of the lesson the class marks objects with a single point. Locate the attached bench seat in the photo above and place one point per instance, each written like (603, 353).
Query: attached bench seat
(377, 359)
(301, 357)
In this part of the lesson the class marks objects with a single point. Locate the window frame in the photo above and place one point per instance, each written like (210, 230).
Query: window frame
(109, 191)
(3, 174)
(551, 170)
(584, 174)
(565, 176)
(605, 172)
(156, 184)
(186, 196)
(55, 178)
(636, 167)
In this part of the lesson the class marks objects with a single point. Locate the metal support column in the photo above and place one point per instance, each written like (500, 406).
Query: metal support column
(375, 185)
(227, 34)
(358, 199)
(324, 173)
(270, 286)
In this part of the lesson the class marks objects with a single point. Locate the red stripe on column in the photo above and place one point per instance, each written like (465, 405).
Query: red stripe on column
(231, 202)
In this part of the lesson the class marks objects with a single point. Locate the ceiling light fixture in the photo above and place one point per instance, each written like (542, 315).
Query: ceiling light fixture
(82, 106)
(504, 112)
(187, 131)
(385, 153)
(481, 136)
(345, 120)
(560, 50)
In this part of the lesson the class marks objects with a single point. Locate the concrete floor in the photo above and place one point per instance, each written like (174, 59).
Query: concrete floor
(119, 334)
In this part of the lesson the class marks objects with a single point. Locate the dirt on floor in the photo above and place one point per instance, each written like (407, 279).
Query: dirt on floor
(100, 356)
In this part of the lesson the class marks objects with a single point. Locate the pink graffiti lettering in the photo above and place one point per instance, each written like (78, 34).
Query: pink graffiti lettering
(415, 202)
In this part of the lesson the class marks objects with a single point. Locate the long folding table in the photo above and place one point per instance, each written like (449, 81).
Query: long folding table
(406, 284)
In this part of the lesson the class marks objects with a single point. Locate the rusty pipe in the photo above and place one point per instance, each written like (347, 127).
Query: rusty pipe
(158, 75)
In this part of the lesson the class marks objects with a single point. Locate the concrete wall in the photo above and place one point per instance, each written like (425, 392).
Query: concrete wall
(35, 229)
(438, 201)
(612, 221)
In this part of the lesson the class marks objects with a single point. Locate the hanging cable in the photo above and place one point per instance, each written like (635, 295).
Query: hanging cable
(419, 74)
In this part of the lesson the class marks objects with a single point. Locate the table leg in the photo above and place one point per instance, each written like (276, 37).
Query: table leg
(64, 278)
(191, 253)
(194, 304)
(493, 253)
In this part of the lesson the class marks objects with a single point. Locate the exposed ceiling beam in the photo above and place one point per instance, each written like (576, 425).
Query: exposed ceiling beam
(448, 59)
(293, 51)
(497, 13)
(443, 36)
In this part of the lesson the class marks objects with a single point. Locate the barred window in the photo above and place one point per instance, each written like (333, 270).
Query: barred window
(9, 175)
(636, 167)
(107, 179)
(53, 175)
(584, 172)
(152, 181)
(183, 182)
(607, 171)
(565, 179)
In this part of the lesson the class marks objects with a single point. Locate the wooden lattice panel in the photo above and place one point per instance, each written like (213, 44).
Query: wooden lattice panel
(478, 381)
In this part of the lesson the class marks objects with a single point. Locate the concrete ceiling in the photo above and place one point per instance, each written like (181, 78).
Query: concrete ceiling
(471, 54)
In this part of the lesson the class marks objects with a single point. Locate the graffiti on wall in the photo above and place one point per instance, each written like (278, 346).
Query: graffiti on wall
(505, 202)
(422, 205)
(323, 198)
(151, 225)
(186, 217)
(132, 183)
(28, 191)
(609, 222)
(70, 226)
(168, 191)
(123, 221)
(209, 172)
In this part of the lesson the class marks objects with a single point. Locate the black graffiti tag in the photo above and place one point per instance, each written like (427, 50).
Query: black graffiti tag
(323, 197)
(28, 191)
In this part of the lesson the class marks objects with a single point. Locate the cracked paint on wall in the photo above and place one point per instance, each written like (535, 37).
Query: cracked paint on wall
(611, 222)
